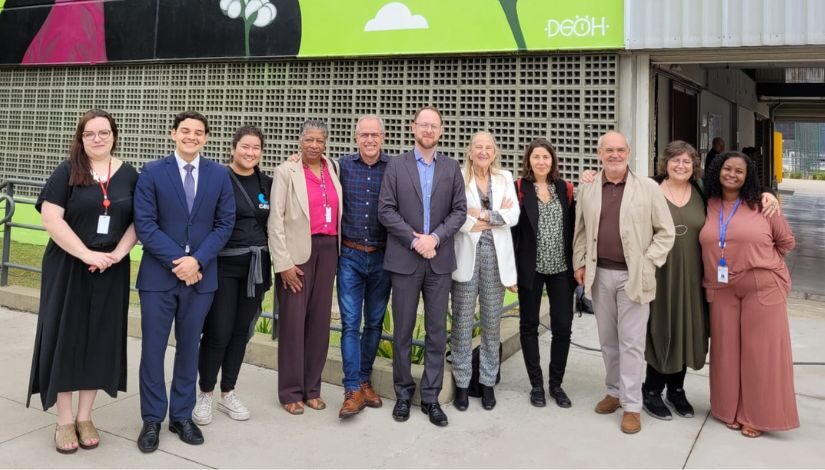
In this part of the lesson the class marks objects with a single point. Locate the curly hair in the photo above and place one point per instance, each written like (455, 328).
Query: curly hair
(751, 190)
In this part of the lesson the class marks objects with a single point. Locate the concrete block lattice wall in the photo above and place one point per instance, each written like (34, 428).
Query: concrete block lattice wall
(569, 98)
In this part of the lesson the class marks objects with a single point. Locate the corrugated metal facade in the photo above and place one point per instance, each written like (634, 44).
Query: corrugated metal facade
(669, 24)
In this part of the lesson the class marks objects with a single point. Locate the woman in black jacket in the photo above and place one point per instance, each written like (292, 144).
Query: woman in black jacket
(543, 241)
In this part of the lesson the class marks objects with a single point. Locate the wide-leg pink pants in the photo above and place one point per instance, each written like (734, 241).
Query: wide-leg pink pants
(751, 369)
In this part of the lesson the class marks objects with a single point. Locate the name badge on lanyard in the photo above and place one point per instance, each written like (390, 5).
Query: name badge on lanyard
(722, 268)
(104, 219)
(328, 214)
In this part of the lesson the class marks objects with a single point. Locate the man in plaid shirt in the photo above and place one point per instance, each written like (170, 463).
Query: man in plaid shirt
(363, 285)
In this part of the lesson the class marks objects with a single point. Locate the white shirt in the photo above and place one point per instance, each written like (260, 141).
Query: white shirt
(181, 163)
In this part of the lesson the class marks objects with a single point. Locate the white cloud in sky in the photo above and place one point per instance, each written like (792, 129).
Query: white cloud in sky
(395, 16)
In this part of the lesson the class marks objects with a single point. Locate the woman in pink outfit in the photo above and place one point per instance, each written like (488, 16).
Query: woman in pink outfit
(747, 285)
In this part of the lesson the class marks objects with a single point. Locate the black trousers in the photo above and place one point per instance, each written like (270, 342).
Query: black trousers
(226, 330)
(560, 294)
(655, 381)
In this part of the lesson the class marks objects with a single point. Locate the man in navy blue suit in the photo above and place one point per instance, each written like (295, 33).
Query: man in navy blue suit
(184, 215)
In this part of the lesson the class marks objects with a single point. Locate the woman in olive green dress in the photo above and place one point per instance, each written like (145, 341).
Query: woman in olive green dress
(678, 329)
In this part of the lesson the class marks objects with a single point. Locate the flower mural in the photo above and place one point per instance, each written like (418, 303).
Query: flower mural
(254, 13)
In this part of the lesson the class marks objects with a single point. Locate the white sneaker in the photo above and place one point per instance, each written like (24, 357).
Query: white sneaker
(231, 405)
(202, 414)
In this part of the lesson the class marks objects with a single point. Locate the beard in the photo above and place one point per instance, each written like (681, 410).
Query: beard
(426, 145)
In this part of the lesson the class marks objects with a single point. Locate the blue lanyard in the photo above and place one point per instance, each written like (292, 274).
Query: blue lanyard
(723, 226)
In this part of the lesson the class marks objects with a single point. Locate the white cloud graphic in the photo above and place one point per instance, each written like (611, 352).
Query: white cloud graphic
(395, 16)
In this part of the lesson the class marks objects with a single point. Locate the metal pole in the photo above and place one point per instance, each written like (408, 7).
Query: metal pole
(4, 269)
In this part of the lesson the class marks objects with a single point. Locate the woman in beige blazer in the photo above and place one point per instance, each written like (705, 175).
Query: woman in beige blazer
(304, 234)
(485, 266)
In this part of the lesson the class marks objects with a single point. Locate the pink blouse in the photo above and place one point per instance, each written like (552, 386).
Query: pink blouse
(321, 196)
(753, 242)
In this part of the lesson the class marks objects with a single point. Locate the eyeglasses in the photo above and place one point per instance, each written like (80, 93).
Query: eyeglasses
(428, 127)
(103, 134)
(677, 162)
(368, 136)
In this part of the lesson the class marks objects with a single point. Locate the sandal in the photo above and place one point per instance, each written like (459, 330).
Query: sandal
(295, 408)
(87, 432)
(65, 437)
(748, 431)
(734, 425)
(316, 403)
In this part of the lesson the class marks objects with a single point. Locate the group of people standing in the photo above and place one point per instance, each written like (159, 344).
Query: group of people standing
(419, 226)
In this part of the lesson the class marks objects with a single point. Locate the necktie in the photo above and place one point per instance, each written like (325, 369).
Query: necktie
(189, 186)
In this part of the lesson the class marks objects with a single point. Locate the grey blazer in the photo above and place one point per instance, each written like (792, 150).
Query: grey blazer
(400, 210)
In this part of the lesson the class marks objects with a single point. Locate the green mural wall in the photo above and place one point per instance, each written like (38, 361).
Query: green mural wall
(98, 31)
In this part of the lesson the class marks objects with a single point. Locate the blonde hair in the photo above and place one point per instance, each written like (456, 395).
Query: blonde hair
(468, 163)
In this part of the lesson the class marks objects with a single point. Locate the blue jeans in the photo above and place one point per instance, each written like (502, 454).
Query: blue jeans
(362, 284)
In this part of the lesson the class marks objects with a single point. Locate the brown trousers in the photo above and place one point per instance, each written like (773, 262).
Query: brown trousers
(303, 338)
(751, 369)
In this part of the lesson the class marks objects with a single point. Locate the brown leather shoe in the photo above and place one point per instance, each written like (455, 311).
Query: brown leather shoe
(631, 423)
(353, 404)
(608, 405)
(370, 397)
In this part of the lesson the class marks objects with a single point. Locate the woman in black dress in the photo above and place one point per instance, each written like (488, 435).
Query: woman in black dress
(244, 276)
(86, 208)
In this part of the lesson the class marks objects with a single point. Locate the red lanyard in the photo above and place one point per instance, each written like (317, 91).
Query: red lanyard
(105, 189)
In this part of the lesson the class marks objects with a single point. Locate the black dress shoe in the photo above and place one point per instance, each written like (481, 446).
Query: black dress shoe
(149, 436)
(436, 414)
(537, 397)
(561, 398)
(488, 397)
(187, 431)
(462, 398)
(401, 411)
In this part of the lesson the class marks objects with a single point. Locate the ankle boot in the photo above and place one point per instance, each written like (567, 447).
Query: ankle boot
(462, 398)
(488, 397)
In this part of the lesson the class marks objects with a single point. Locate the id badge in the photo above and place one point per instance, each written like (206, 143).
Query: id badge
(328, 215)
(103, 224)
(722, 274)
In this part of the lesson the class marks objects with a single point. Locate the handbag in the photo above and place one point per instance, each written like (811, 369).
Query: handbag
(474, 389)
(583, 304)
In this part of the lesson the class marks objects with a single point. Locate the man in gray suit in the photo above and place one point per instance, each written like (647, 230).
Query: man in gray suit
(422, 205)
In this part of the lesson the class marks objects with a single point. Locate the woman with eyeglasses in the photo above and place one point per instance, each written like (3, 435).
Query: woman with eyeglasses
(86, 207)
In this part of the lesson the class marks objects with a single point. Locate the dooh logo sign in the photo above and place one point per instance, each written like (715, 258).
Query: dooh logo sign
(578, 26)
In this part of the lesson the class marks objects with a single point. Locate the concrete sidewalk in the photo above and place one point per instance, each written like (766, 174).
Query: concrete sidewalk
(514, 434)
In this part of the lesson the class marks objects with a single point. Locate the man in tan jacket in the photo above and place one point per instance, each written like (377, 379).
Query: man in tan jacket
(623, 232)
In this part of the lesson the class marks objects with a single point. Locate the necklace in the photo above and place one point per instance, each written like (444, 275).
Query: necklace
(681, 229)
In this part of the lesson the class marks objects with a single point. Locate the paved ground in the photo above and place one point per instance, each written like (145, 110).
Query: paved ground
(803, 203)
(513, 435)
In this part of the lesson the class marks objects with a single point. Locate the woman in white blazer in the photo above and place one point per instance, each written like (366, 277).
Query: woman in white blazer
(486, 265)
